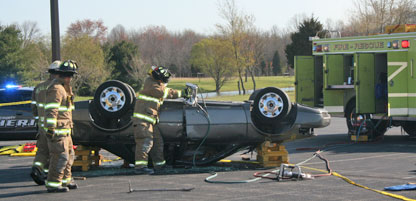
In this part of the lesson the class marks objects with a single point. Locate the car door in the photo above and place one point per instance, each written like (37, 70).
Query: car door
(16, 119)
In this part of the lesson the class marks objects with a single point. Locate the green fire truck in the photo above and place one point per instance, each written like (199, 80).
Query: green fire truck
(370, 80)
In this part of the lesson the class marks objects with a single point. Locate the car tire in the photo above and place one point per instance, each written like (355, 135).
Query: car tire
(254, 94)
(132, 92)
(113, 99)
(265, 102)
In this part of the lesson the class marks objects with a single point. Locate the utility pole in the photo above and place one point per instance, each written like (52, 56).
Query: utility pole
(56, 44)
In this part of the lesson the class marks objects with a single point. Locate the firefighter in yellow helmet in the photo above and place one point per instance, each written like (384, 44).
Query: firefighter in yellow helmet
(145, 117)
(58, 122)
(41, 161)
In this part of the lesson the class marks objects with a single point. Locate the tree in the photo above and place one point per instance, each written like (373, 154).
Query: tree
(11, 59)
(276, 63)
(35, 64)
(235, 29)
(372, 16)
(128, 67)
(214, 57)
(90, 58)
(30, 32)
(301, 46)
(158, 46)
(93, 29)
(118, 33)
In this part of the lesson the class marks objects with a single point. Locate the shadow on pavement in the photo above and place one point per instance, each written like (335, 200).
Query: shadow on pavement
(17, 194)
(15, 174)
(338, 143)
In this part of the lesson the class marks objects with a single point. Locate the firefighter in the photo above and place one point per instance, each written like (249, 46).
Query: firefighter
(145, 117)
(58, 113)
(41, 161)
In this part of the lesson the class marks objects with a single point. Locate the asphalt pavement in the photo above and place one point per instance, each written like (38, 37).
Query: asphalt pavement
(376, 165)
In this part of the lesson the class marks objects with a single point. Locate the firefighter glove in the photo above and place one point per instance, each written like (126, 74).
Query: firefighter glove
(50, 132)
(186, 93)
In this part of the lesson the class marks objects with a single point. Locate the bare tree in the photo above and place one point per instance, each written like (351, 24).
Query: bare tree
(118, 33)
(30, 32)
(158, 46)
(93, 29)
(372, 16)
(235, 29)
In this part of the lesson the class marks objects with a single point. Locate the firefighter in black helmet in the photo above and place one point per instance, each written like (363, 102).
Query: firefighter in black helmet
(58, 122)
(145, 117)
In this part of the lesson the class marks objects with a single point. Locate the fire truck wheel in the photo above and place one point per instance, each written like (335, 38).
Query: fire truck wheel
(113, 99)
(270, 105)
(373, 128)
(410, 128)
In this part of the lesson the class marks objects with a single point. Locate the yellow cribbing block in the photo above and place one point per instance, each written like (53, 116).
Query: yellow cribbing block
(87, 156)
(272, 154)
(361, 138)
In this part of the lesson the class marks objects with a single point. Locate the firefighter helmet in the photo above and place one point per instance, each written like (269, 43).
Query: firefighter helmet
(68, 67)
(54, 66)
(160, 73)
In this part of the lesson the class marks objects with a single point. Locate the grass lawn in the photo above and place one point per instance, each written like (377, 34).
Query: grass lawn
(82, 98)
(208, 85)
(291, 95)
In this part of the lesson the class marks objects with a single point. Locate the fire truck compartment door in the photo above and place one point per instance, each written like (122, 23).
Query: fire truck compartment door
(305, 80)
(364, 83)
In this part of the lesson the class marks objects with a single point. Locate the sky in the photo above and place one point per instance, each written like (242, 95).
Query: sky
(176, 15)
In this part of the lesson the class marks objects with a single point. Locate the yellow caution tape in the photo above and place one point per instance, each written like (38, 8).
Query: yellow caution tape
(24, 154)
(15, 103)
(400, 197)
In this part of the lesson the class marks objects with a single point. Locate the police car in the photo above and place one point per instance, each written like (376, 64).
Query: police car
(16, 119)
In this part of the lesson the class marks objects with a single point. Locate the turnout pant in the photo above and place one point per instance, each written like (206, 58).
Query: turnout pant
(42, 154)
(149, 142)
(61, 159)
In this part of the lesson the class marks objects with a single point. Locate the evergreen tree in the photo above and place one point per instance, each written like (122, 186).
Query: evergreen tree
(122, 57)
(276, 63)
(11, 60)
(301, 46)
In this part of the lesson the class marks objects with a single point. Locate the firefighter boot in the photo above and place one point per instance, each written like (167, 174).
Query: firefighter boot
(143, 170)
(59, 189)
(71, 185)
(38, 175)
(160, 170)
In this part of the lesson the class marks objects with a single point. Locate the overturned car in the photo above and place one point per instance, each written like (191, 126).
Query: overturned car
(194, 131)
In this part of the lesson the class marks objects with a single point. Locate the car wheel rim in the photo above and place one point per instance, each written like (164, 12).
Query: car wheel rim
(112, 99)
(271, 105)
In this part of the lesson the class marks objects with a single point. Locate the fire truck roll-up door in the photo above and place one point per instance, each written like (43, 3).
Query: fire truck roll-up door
(412, 79)
(308, 80)
(333, 78)
(399, 90)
